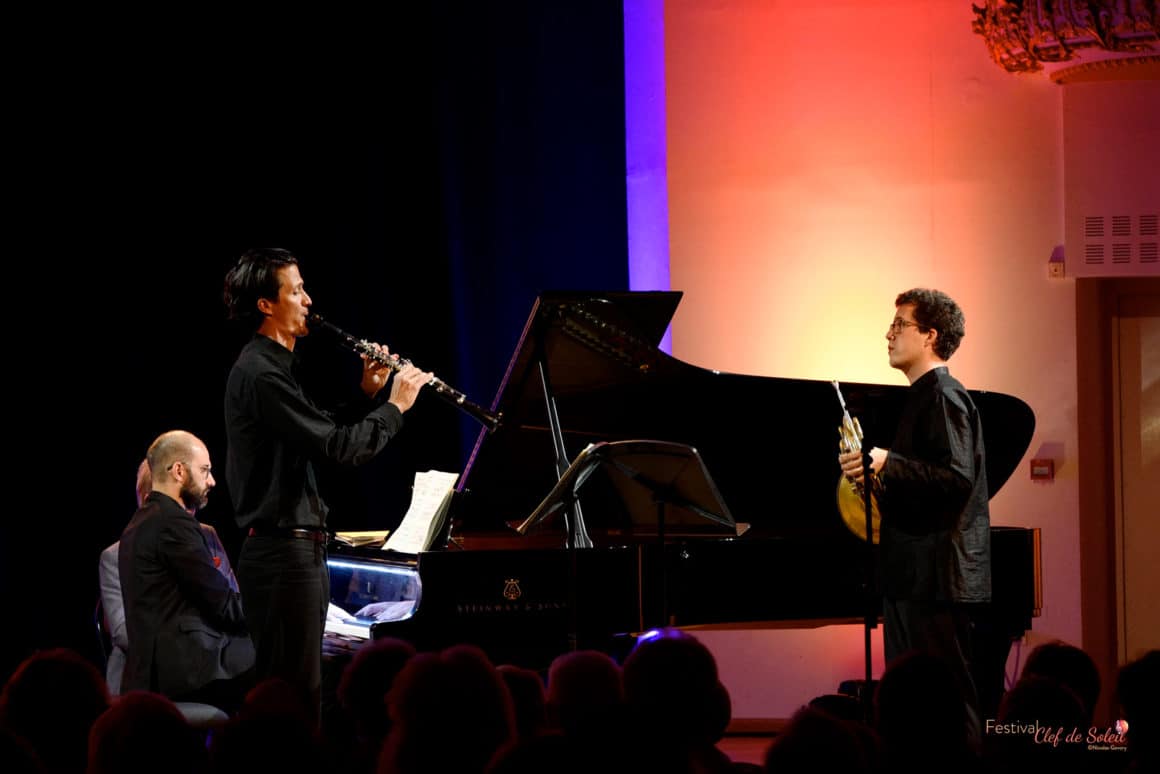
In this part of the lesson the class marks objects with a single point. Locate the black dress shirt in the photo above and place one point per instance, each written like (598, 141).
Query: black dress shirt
(274, 432)
(936, 527)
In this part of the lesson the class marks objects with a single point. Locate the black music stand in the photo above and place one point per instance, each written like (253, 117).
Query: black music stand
(663, 486)
(870, 620)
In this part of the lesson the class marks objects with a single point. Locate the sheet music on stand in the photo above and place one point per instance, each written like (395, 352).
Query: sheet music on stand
(430, 503)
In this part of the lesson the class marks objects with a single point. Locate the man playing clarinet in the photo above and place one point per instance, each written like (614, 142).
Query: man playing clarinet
(275, 436)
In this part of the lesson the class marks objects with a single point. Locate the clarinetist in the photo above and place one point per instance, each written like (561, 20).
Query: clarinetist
(275, 435)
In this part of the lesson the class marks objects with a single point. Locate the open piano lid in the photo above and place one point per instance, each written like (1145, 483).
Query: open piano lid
(770, 443)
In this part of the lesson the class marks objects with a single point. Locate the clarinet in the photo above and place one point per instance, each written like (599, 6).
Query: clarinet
(442, 389)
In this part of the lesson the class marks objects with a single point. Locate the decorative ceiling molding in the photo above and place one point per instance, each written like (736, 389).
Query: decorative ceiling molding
(1022, 35)
(1140, 67)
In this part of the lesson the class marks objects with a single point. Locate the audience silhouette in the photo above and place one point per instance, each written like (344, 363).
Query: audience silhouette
(585, 699)
(1137, 688)
(851, 710)
(816, 740)
(1039, 702)
(17, 755)
(1069, 665)
(665, 709)
(921, 717)
(677, 708)
(272, 730)
(362, 696)
(457, 688)
(585, 706)
(51, 702)
(142, 733)
(527, 692)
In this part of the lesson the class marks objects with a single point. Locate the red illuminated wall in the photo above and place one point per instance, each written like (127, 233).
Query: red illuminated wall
(822, 158)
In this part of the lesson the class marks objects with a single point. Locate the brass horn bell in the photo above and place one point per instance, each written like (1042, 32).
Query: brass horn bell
(851, 498)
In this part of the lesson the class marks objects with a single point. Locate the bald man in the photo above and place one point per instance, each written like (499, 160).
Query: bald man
(186, 628)
(109, 575)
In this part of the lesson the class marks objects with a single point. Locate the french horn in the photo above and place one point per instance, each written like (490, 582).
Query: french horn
(851, 495)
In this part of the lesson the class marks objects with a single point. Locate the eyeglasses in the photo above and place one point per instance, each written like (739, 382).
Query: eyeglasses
(205, 469)
(898, 324)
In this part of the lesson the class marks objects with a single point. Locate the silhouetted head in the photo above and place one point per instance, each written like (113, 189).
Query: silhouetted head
(276, 696)
(585, 693)
(813, 741)
(550, 753)
(527, 692)
(1071, 666)
(144, 732)
(271, 732)
(672, 691)
(920, 711)
(51, 701)
(1044, 702)
(367, 679)
(1137, 688)
(456, 689)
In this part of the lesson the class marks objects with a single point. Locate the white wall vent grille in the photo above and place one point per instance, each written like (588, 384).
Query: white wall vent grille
(1119, 245)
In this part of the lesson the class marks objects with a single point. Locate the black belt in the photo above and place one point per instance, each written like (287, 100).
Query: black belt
(316, 534)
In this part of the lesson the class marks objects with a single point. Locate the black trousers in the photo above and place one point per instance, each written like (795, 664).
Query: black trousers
(285, 587)
(943, 629)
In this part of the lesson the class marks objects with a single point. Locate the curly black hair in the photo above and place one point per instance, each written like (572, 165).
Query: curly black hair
(934, 309)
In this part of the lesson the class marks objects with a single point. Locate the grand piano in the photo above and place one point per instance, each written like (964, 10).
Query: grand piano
(588, 369)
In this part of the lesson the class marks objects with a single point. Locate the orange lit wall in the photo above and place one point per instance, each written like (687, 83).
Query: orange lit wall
(822, 158)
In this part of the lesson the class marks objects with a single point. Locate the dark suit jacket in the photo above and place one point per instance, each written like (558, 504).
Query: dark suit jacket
(184, 623)
(109, 574)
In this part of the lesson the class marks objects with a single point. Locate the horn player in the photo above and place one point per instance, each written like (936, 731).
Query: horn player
(935, 553)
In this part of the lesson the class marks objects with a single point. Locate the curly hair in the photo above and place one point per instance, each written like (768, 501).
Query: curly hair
(254, 276)
(934, 309)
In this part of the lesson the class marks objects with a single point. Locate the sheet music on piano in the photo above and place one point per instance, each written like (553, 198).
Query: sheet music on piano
(430, 502)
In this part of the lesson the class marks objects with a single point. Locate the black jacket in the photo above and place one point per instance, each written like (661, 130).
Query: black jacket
(936, 525)
(184, 622)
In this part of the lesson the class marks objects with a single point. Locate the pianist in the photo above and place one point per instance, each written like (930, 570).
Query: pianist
(112, 602)
(935, 539)
(185, 624)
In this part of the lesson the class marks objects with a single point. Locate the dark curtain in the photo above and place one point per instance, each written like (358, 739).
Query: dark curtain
(433, 175)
